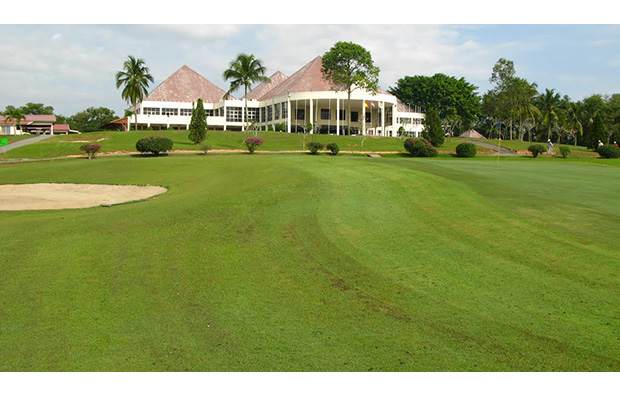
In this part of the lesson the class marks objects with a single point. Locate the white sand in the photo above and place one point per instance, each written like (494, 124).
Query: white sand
(60, 196)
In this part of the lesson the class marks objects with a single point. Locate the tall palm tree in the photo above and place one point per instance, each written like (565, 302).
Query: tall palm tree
(134, 79)
(245, 70)
(573, 123)
(14, 114)
(549, 105)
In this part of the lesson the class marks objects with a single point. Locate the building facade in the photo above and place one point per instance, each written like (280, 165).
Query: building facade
(284, 103)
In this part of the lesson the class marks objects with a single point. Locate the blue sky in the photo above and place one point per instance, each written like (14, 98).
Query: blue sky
(72, 67)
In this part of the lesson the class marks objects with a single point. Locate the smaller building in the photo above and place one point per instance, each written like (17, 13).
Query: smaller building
(33, 124)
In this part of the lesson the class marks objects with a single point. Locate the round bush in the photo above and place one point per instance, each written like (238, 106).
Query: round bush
(608, 151)
(333, 147)
(466, 150)
(154, 145)
(536, 149)
(252, 143)
(314, 147)
(420, 147)
(564, 151)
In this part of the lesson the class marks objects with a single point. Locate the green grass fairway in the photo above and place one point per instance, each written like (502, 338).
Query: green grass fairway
(304, 263)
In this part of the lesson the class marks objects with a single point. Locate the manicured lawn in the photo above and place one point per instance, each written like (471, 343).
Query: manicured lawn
(295, 262)
(274, 141)
(14, 138)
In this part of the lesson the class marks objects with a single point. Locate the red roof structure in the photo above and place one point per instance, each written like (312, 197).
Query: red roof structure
(261, 90)
(186, 85)
(472, 134)
(307, 79)
(30, 119)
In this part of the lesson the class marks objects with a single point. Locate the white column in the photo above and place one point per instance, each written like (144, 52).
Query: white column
(383, 119)
(363, 120)
(52, 130)
(244, 103)
(338, 117)
(312, 114)
(394, 126)
(288, 115)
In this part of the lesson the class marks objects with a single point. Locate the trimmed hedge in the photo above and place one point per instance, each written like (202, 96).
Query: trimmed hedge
(608, 151)
(333, 147)
(536, 149)
(315, 146)
(564, 151)
(154, 145)
(420, 147)
(466, 150)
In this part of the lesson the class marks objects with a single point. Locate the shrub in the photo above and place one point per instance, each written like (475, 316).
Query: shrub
(150, 128)
(536, 149)
(252, 143)
(198, 124)
(466, 150)
(90, 149)
(205, 147)
(315, 146)
(565, 151)
(154, 145)
(333, 147)
(420, 148)
(608, 151)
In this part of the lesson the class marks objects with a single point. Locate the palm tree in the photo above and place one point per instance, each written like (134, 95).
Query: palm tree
(135, 79)
(244, 71)
(573, 122)
(549, 104)
(14, 114)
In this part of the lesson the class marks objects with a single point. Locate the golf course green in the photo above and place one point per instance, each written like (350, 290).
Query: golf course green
(316, 263)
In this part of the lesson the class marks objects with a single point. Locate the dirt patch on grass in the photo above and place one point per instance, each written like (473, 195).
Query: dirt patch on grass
(47, 196)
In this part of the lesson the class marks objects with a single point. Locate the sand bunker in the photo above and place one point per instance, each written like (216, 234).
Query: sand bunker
(59, 196)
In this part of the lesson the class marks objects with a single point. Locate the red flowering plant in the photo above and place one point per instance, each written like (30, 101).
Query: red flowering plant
(154, 145)
(252, 143)
(90, 149)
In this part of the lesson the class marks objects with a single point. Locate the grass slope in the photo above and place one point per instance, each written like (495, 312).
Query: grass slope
(64, 145)
(317, 263)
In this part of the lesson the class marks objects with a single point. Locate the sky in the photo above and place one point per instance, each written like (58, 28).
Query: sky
(72, 66)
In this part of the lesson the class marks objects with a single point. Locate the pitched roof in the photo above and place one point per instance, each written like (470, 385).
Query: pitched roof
(472, 134)
(186, 85)
(265, 87)
(31, 118)
(307, 79)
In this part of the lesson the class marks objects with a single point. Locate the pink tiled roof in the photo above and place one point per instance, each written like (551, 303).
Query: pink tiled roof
(186, 85)
(307, 79)
(32, 118)
(61, 127)
(261, 90)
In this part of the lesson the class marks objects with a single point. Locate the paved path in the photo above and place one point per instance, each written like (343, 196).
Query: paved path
(503, 150)
(23, 142)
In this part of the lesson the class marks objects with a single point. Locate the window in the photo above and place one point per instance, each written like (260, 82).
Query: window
(368, 117)
(151, 111)
(253, 114)
(262, 114)
(325, 113)
(233, 114)
(284, 110)
(186, 112)
(342, 115)
(269, 113)
(355, 116)
(169, 111)
(301, 114)
(209, 113)
(277, 111)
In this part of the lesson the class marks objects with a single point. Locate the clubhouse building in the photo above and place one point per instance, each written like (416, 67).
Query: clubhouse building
(286, 103)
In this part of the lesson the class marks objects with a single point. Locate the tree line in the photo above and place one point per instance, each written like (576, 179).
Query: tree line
(513, 108)
(88, 120)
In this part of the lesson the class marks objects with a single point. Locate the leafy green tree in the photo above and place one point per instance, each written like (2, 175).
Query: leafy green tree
(245, 70)
(456, 100)
(549, 105)
(597, 132)
(134, 78)
(349, 66)
(92, 119)
(573, 122)
(198, 124)
(433, 131)
(37, 109)
(12, 114)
